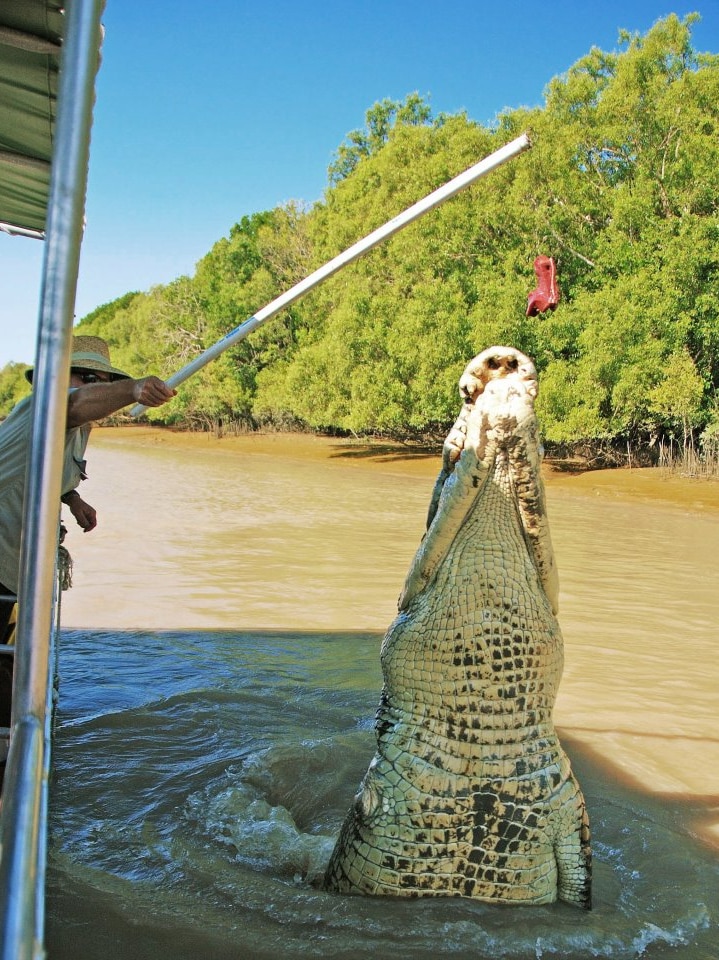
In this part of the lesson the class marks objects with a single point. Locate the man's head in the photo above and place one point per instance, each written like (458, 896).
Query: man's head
(90, 362)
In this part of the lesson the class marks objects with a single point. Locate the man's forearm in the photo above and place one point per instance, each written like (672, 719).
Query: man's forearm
(93, 401)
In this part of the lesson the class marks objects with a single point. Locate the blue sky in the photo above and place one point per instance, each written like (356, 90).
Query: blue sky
(207, 112)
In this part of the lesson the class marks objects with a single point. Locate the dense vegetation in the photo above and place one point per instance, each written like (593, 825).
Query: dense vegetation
(621, 187)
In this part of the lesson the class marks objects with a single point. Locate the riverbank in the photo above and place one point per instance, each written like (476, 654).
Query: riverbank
(646, 484)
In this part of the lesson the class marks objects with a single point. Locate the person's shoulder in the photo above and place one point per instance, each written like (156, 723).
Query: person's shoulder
(22, 406)
(16, 424)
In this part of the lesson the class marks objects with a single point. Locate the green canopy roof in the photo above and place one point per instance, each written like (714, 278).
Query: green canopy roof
(31, 33)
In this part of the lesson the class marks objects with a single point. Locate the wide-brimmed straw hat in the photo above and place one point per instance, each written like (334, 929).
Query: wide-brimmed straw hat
(91, 353)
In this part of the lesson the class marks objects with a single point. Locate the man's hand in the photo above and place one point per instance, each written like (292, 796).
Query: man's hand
(152, 392)
(85, 515)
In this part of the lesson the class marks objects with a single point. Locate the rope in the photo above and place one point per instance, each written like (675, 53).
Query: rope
(64, 568)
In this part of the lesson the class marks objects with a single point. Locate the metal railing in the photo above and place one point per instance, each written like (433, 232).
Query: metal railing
(23, 819)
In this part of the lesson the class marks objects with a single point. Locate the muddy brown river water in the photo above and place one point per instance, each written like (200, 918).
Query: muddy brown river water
(219, 675)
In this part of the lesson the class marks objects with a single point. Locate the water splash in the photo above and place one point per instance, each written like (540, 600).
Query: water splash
(196, 822)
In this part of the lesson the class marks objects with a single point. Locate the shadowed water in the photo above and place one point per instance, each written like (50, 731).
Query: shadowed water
(202, 774)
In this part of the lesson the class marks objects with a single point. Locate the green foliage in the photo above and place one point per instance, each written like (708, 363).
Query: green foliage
(13, 386)
(380, 120)
(621, 186)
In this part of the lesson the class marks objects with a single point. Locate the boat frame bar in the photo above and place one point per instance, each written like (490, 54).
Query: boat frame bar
(23, 819)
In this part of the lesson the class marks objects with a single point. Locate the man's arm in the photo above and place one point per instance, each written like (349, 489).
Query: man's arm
(93, 401)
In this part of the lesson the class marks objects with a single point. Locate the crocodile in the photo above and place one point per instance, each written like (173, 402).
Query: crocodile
(470, 792)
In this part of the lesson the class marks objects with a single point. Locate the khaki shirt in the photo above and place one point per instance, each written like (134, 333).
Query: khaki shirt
(14, 451)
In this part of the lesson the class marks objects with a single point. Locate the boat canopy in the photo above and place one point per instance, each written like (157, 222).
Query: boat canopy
(31, 37)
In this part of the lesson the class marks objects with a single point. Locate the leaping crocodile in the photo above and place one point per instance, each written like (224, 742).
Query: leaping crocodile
(470, 792)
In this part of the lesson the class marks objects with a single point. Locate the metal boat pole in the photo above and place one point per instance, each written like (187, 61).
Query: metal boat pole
(432, 200)
(23, 821)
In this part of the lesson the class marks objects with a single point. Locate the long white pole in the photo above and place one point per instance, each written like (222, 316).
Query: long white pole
(431, 201)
